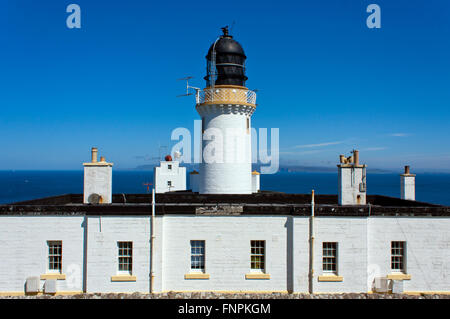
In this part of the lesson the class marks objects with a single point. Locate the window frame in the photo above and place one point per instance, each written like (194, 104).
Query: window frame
(330, 260)
(129, 257)
(402, 256)
(202, 261)
(254, 253)
(51, 254)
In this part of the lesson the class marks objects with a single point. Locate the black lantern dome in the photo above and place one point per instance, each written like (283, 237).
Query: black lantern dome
(225, 62)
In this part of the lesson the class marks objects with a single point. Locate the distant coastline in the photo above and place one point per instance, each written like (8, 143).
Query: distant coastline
(308, 169)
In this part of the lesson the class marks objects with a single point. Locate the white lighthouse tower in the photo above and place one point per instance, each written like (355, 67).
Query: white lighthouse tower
(226, 106)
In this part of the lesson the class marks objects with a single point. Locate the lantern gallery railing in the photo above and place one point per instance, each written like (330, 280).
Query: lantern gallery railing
(227, 95)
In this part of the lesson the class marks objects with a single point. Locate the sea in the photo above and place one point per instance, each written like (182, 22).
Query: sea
(25, 185)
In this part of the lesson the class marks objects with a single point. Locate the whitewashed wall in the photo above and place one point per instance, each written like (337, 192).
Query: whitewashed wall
(24, 250)
(363, 251)
(104, 232)
(300, 254)
(98, 180)
(428, 249)
(227, 245)
(407, 187)
(176, 175)
(231, 174)
(349, 179)
(350, 233)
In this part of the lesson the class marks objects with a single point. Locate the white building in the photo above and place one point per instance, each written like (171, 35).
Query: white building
(169, 176)
(229, 236)
(216, 243)
(226, 106)
(97, 180)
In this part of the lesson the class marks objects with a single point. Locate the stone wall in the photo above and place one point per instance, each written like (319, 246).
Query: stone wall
(215, 295)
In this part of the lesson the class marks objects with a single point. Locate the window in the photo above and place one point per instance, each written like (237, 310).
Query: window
(248, 125)
(398, 256)
(169, 183)
(257, 255)
(198, 255)
(54, 256)
(125, 257)
(169, 166)
(329, 257)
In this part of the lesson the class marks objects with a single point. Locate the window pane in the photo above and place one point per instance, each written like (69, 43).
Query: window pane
(329, 256)
(54, 255)
(198, 255)
(125, 262)
(257, 254)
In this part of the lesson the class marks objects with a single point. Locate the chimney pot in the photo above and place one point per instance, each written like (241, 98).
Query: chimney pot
(94, 153)
(356, 157)
(407, 169)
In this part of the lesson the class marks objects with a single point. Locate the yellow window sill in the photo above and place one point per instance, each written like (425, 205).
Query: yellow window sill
(196, 276)
(257, 276)
(330, 278)
(123, 278)
(53, 276)
(399, 276)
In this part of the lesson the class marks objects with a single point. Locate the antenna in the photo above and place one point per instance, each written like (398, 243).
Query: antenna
(148, 186)
(197, 90)
(160, 147)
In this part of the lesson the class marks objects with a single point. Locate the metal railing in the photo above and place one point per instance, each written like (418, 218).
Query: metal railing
(226, 95)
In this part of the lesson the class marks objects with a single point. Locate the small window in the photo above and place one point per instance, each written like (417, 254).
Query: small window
(54, 256)
(398, 256)
(248, 125)
(169, 166)
(198, 255)
(125, 257)
(169, 183)
(329, 257)
(257, 255)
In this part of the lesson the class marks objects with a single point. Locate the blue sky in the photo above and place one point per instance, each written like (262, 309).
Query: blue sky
(329, 83)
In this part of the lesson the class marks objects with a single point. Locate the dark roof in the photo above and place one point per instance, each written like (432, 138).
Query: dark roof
(265, 203)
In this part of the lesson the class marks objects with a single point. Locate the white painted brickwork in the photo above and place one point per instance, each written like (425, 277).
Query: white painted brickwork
(104, 233)
(231, 174)
(349, 181)
(407, 187)
(169, 172)
(428, 249)
(227, 254)
(24, 250)
(363, 251)
(98, 180)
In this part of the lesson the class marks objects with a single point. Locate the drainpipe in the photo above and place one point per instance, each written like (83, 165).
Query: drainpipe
(311, 245)
(85, 253)
(152, 240)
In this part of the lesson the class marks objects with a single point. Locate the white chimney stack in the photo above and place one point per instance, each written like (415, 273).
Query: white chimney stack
(407, 185)
(97, 180)
(351, 180)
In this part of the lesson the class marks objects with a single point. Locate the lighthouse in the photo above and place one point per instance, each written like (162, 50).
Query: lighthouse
(225, 106)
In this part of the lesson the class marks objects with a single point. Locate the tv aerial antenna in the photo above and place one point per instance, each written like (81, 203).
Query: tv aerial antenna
(197, 90)
(160, 154)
